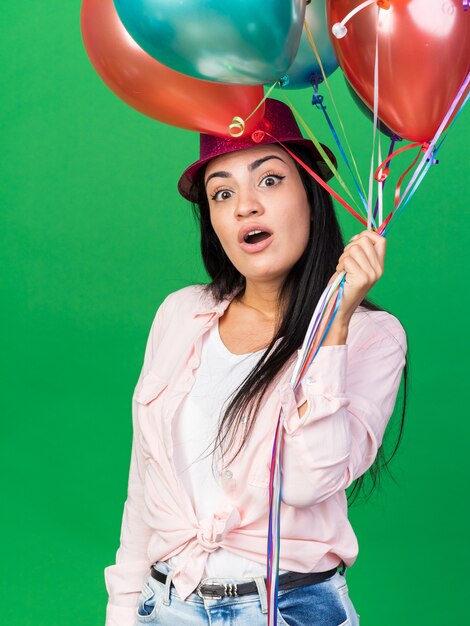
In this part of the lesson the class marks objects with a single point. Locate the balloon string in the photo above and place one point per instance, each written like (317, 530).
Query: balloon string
(403, 176)
(439, 132)
(326, 158)
(352, 13)
(317, 100)
(386, 169)
(380, 186)
(275, 479)
(429, 157)
(376, 120)
(403, 203)
(237, 126)
(381, 229)
(339, 29)
(383, 169)
(313, 326)
(321, 182)
(381, 176)
(320, 323)
(327, 83)
(332, 301)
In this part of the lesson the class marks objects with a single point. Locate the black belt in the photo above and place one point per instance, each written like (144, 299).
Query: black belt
(217, 591)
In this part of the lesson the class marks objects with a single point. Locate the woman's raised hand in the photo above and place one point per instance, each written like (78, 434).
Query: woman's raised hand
(363, 262)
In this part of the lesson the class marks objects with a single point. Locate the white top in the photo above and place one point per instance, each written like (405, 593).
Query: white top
(194, 430)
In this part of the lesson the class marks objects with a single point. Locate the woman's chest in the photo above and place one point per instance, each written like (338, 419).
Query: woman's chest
(190, 404)
(243, 331)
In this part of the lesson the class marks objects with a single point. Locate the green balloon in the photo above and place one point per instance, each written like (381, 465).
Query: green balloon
(305, 69)
(245, 42)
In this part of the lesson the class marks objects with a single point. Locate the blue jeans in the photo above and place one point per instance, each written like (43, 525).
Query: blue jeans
(322, 604)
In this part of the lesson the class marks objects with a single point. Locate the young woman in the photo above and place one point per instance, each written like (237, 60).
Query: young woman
(215, 376)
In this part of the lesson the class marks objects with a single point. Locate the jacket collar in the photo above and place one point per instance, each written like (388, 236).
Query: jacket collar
(209, 306)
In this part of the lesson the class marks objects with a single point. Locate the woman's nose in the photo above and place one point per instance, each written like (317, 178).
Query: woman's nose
(248, 205)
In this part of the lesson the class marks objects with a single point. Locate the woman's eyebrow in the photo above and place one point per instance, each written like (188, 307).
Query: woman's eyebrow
(253, 166)
(259, 162)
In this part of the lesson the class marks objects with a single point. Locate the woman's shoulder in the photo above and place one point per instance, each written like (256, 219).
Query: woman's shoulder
(192, 294)
(187, 301)
(176, 318)
(368, 327)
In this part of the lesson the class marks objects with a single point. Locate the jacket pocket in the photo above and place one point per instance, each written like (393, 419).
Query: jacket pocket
(149, 388)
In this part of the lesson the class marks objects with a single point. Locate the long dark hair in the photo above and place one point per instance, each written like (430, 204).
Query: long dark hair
(298, 298)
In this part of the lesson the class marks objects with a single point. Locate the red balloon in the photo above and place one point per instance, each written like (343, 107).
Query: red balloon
(424, 57)
(156, 90)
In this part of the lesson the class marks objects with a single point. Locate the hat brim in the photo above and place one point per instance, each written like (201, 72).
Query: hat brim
(188, 177)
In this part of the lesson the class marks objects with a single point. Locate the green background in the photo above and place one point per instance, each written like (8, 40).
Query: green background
(93, 236)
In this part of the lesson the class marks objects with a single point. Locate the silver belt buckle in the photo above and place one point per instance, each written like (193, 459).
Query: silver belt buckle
(212, 594)
(227, 590)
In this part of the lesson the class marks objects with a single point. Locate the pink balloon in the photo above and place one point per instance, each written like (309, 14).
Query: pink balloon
(156, 90)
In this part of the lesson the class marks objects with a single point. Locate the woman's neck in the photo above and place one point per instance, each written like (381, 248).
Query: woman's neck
(264, 298)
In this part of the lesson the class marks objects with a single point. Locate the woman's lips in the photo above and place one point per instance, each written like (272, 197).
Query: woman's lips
(256, 247)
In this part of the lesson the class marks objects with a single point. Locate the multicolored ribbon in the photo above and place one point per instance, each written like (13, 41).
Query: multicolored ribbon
(320, 323)
(383, 171)
(237, 126)
(320, 180)
(356, 176)
(432, 149)
(319, 326)
(317, 101)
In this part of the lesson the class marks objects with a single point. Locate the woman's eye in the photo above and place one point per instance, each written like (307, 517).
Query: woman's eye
(271, 179)
(222, 194)
(268, 180)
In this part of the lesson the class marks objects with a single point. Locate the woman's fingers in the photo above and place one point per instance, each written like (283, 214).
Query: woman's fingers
(363, 276)
(365, 246)
(368, 249)
(379, 242)
(365, 258)
(363, 263)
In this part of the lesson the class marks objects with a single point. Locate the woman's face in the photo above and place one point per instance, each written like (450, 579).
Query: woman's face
(259, 211)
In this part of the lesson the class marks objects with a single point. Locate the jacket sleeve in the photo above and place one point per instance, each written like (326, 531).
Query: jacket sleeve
(124, 579)
(350, 394)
